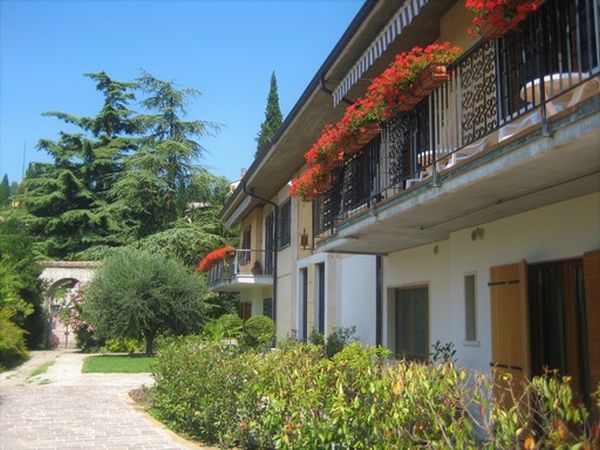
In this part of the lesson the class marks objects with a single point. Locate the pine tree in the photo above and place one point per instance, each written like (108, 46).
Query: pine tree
(154, 187)
(4, 191)
(273, 117)
(65, 201)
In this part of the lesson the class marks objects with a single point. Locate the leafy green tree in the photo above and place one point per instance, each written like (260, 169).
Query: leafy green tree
(4, 191)
(273, 117)
(137, 294)
(21, 295)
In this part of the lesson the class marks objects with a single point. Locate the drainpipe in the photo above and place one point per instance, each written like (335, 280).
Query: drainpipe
(275, 227)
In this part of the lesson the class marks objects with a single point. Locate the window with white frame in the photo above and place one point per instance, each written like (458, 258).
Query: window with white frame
(470, 308)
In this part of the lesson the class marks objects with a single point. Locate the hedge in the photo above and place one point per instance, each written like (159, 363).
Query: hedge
(297, 398)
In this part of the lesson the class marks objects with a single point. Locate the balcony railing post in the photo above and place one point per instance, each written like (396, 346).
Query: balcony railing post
(542, 73)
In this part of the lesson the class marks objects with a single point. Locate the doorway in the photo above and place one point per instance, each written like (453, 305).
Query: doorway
(557, 316)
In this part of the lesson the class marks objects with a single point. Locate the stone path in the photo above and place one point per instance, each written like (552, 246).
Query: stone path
(65, 409)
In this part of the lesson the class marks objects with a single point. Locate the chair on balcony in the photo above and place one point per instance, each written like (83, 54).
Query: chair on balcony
(587, 89)
(519, 124)
(469, 150)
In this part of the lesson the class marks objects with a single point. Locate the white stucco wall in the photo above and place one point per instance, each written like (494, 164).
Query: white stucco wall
(562, 230)
(356, 295)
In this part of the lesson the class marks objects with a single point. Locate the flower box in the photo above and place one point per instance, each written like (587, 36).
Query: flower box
(366, 134)
(333, 162)
(493, 21)
(410, 102)
(430, 77)
(392, 91)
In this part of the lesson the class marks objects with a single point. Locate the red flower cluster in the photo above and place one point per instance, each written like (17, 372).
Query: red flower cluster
(501, 15)
(212, 258)
(388, 94)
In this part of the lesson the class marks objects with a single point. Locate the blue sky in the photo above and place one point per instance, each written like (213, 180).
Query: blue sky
(225, 49)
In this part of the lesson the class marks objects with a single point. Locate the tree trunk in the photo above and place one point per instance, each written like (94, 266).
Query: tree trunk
(149, 344)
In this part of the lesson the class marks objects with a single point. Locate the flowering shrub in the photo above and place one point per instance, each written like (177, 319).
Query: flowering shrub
(297, 398)
(389, 93)
(86, 338)
(53, 341)
(501, 15)
(212, 258)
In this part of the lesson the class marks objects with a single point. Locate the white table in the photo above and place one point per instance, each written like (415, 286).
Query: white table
(554, 85)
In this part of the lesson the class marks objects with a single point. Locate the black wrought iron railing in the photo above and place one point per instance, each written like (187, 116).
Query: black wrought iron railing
(496, 90)
(242, 262)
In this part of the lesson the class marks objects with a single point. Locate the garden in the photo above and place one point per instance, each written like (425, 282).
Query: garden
(227, 390)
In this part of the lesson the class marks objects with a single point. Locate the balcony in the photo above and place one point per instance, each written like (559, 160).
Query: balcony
(515, 127)
(244, 269)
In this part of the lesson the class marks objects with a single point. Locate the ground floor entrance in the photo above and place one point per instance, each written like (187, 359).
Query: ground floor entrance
(545, 317)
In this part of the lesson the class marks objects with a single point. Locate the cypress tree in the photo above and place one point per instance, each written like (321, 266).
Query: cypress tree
(4, 191)
(273, 117)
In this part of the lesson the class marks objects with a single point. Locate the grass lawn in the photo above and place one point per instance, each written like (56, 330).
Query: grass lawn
(117, 364)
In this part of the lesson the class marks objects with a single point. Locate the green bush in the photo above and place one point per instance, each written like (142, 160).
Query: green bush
(12, 341)
(338, 339)
(259, 332)
(86, 339)
(296, 398)
(198, 386)
(228, 326)
(121, 346)
(136, 294)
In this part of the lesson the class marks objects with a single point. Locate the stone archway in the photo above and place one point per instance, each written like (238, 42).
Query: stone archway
(64, 278)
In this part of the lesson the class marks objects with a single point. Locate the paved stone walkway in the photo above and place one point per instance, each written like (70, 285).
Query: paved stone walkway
(65, 409)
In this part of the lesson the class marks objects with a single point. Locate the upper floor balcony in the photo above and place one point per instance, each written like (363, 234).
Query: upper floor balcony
(243, 269)
(516, 126)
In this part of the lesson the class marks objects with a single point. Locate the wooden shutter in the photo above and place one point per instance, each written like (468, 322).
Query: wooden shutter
(510, 324)
(591, 275)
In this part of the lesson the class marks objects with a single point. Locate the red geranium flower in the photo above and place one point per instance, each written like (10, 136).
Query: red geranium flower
(212, 258)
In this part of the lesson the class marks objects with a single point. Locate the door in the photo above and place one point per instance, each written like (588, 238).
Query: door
(591, 271)
(303, 304)
(412, 323)
(558, 321)
(510, 325)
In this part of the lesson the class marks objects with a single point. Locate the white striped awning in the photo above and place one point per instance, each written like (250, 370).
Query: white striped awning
(404, 16)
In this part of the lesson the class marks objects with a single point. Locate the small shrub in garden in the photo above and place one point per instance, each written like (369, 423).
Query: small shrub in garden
(316, 338)
(121, 346)
(86, 338)
(443, 352)
(259, 332)
(53, 341)
(12, 341)
(228, 326)
(338, 339)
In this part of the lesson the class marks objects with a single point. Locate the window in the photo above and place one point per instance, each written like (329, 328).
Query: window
(244, 257)
(268, 308)
(303, 329)
(470, 308)
(269, 244)
(320, 299)
(412, 323)
(284, 225)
